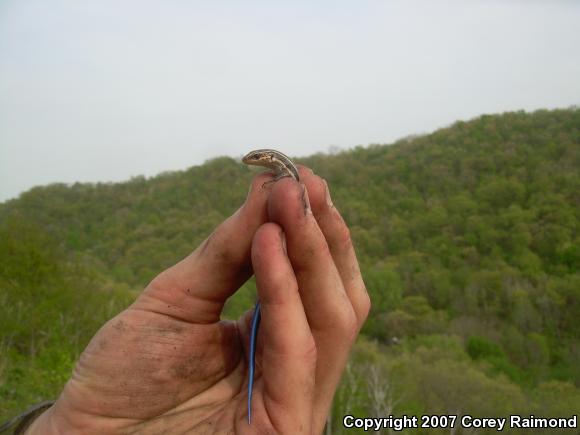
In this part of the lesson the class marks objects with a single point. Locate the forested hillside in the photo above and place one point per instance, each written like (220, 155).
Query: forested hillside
(468, 239)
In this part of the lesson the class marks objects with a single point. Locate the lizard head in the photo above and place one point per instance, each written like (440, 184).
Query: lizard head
(257, 157)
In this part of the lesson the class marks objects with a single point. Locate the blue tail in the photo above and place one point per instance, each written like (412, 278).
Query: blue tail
(252, 362)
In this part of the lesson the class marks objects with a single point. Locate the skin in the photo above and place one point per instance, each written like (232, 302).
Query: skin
(168, 365)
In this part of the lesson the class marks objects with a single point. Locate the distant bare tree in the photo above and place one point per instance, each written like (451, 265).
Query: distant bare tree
(382, 399)
(347, 396)
(380, 392)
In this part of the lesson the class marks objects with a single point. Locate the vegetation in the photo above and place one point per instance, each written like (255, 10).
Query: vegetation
(49, 310)
(468, 239)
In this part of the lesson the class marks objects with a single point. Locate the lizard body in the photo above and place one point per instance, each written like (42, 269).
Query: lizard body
(282, 166)
(274, 160)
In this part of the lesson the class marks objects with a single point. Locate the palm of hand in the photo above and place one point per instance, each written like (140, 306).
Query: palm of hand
(151, 372)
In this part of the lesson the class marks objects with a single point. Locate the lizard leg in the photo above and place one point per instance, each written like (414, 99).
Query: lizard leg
(276, 178)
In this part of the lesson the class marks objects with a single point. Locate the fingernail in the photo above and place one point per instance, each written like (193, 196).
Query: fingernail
(249, 193)
(239, 210)
(327, 194)
(306, 201)
(283, 242)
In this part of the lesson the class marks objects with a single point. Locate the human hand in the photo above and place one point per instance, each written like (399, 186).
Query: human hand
(167, 364)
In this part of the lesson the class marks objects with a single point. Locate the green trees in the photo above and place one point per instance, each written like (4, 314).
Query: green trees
(49, 309)
(470, 233)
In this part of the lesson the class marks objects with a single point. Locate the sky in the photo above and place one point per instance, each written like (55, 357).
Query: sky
(106, 90)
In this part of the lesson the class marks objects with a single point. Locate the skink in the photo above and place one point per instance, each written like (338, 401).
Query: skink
(282, 166)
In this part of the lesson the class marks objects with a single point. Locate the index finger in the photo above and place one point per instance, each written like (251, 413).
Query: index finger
(196, 288)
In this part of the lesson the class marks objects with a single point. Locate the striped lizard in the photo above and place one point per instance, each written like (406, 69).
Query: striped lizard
(282, 166)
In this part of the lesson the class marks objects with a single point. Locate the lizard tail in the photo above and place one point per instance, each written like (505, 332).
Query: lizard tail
(253, 338)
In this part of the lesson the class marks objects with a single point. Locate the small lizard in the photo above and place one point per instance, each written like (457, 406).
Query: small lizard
(282, 167)
(274, 160)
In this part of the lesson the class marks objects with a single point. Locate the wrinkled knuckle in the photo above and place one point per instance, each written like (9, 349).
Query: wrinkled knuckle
(348, 324)
(310, 254)
(221, 251)
(344, 237)
(228, 256)
(365, 306)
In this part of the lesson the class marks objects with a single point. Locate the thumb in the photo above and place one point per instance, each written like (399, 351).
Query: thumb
(196, 288)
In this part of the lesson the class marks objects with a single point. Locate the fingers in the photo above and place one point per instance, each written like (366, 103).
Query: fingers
(321, 288)
(331, 288)
(337, 236)
(196, 288)
(289, 353)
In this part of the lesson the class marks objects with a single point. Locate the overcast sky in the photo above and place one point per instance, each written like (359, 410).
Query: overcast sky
(105, 90)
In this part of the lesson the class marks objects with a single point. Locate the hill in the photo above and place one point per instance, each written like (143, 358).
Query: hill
(468, 239)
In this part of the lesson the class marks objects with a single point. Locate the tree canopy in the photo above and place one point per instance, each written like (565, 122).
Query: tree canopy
(468, 240)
